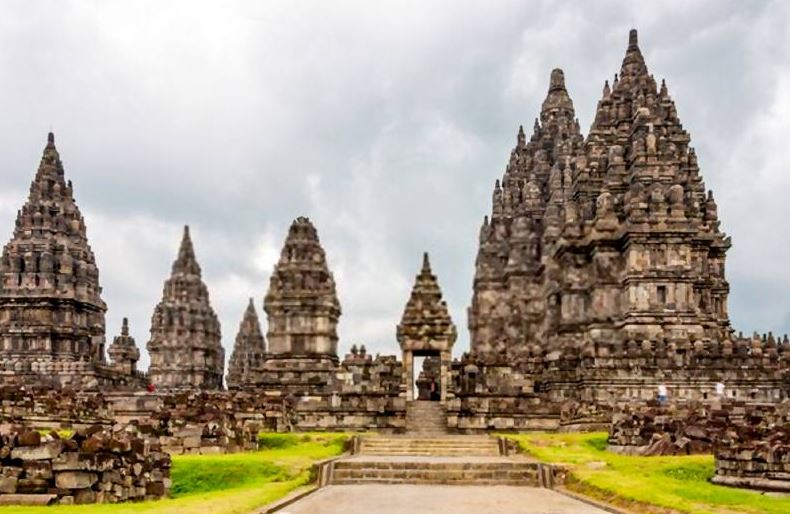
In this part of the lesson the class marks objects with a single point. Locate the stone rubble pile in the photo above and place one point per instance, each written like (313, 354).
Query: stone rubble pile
(653, 428)
(46, 407)
(96, 465)
(212, 422)
(756, 452)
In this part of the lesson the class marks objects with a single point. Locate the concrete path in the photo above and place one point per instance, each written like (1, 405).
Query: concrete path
(439, 499)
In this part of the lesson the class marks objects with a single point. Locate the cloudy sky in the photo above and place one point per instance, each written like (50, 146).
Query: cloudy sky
(385, 123)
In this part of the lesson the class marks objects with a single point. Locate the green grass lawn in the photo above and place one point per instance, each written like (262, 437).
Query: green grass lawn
(666, 483)
(226, 484)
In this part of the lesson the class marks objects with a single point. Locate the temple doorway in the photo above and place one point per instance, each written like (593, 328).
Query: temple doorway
(427, 384)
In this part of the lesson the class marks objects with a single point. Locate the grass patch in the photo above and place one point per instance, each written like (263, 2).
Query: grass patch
(646, 484)
(209, 473)
(224, 484)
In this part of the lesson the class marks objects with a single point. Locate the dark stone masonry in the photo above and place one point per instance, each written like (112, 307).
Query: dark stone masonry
(599, 286)
(92, 466)
(185, 345)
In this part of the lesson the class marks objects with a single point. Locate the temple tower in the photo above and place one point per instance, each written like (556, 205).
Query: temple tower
(249, 351)
(508, 304)
(302, 310)
(647, 235)
(123, 351)
(51, 310)
(185, 347)
(301, 304)
(426, 329)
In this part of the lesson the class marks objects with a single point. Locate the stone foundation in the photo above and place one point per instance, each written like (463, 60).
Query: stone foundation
(92, 466)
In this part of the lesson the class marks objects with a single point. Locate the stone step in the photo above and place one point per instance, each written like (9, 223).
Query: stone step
(432, 446)
(436, 452)
(462, 472)
(430, 441)
(426, 418)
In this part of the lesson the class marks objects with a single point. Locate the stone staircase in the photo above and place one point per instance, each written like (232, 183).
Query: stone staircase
(437, 446)
(426, 418)
(439, 459)
(427, 454)
(364, 469)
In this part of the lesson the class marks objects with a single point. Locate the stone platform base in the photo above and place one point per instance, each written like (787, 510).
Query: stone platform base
(762, 484)
(430, 446)
(369, 469)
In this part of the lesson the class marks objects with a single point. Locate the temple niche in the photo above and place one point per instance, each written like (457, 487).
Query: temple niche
(51, 311)
(185, 347)
(249, 351)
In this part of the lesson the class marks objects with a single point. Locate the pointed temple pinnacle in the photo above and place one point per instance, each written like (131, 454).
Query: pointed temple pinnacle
(557, 101)
(557, 81)
(186, 238)
(186, 249)
(125, 327)
(426, 263)
(50, 139)
(633, 40)
(186, 260)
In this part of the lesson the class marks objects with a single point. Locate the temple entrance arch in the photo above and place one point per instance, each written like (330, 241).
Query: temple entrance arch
(427, 375)
(426, 330)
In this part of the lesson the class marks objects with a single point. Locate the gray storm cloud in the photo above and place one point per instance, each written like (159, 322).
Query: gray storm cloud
(386, 123)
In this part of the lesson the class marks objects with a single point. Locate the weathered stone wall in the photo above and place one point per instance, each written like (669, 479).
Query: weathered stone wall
(206, 422)
(350, 411)
(53, 408)
(755, 452)
(92, 466)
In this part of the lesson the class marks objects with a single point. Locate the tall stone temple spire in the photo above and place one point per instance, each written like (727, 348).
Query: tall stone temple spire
(645, 259)
(249, 351)
(301, 304)
(185, 346)
(508, 306)
(609, 241)
(51, 310)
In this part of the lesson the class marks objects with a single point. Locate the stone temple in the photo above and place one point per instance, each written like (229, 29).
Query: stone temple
(51, 310)
(249, 350)
(600, 276)
(603, 260)
(185, 343)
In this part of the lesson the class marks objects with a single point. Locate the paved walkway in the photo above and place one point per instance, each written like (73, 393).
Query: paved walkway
(439, 499)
